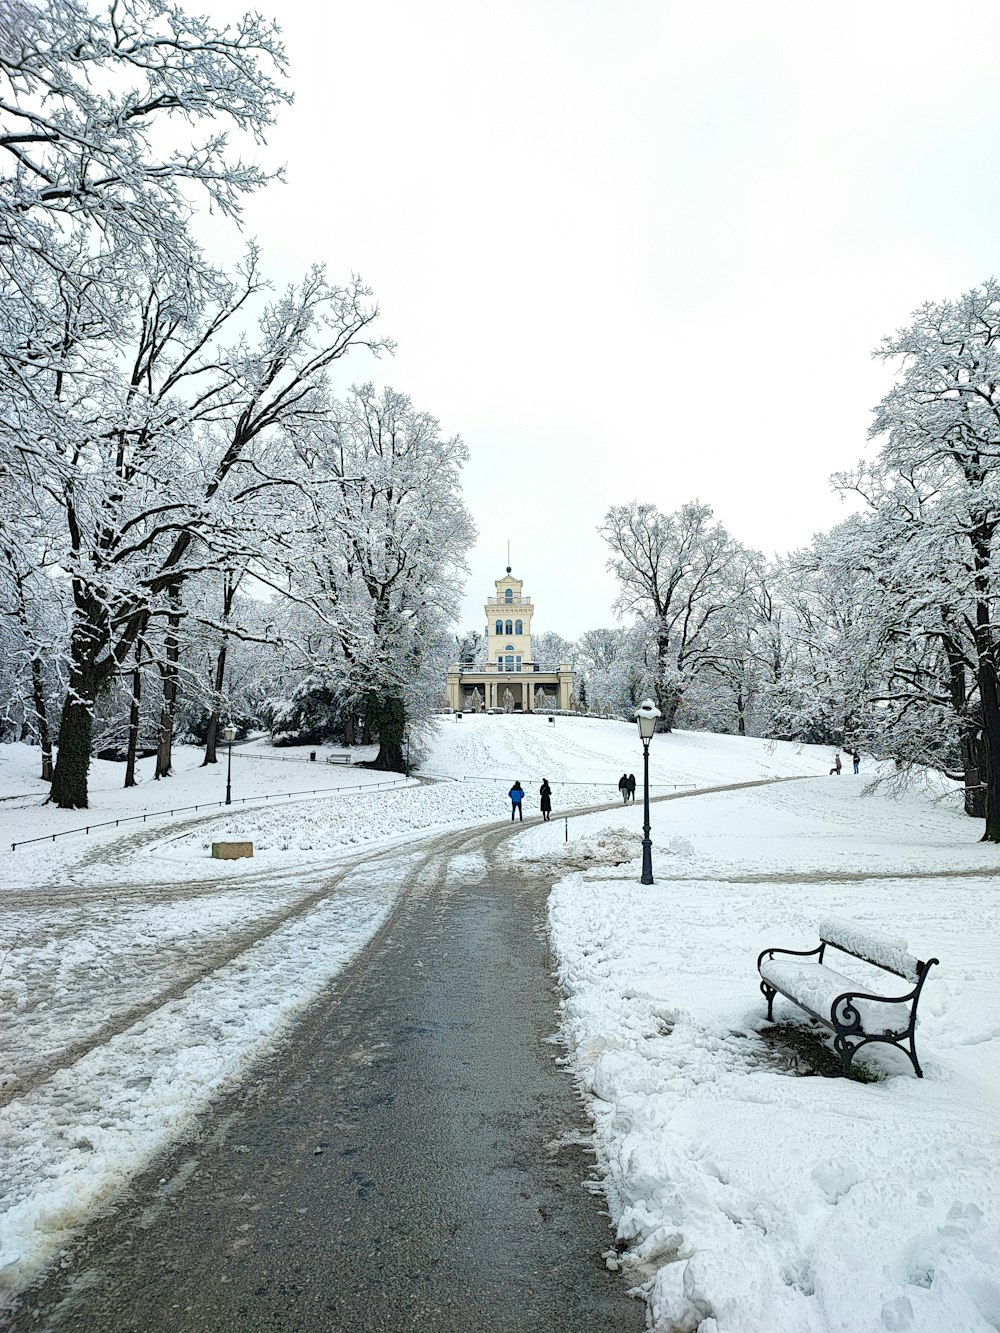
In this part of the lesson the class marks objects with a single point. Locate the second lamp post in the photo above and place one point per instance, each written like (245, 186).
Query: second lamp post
(229, 735)
(646, 715)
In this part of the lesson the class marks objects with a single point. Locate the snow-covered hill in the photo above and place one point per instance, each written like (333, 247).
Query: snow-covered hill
(747, 1198)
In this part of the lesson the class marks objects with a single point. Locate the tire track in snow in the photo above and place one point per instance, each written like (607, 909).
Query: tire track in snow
(439, 851)
(261, 929)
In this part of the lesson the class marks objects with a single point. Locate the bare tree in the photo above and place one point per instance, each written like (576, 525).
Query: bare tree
(679, 573)
(151, 475)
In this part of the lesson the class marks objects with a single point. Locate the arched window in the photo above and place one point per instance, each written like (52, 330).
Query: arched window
(510, 627)
(508, 595)
(499, 627)
(518, 627)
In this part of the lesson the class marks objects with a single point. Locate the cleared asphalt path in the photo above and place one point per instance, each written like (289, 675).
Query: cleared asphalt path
(410, 1159)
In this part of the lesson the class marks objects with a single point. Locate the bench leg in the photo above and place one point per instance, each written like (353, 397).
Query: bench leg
(845, 1049)
(912, 1053)
(769, 993)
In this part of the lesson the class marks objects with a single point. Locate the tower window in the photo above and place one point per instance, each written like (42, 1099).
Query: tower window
(499, 626)
(518, 627)
(508, 595)
(510, 663)
(510, 627)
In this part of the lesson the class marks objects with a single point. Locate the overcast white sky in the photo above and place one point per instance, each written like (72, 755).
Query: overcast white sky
(637, 250)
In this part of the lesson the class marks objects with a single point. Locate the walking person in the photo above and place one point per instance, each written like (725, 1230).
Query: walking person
(623, 788)
(516, 795)
(836, 765)
(545, 799)
(631, 787)
(856, 760)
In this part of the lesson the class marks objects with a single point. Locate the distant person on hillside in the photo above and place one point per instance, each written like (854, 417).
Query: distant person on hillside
(631, 787)
(516, 795)
(623, 787)
(856, 758)
(545, 799)
(836, 765)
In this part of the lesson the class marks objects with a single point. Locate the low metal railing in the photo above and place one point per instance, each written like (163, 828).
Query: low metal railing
(206, 805)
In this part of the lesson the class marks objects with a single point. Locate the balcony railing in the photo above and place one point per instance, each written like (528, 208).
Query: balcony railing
(502, 601)
(495, 668)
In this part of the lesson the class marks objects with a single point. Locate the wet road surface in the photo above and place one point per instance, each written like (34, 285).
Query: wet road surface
(412, 1158)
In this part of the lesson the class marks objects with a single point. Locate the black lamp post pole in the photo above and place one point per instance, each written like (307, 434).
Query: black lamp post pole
(229, 776)
(647, 846)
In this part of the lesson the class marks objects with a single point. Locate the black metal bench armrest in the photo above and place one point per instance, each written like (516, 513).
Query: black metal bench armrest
(849, 1020)
(793, 953)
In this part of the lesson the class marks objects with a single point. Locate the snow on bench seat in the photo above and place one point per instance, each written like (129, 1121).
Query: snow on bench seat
(815, 986)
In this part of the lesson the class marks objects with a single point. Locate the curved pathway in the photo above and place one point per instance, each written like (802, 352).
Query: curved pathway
(412, 1158)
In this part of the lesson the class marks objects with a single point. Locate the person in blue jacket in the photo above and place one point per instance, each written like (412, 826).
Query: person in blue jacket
(516, 795)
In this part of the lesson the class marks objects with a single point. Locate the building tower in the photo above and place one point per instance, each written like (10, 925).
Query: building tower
(508, 626)
(510, 676)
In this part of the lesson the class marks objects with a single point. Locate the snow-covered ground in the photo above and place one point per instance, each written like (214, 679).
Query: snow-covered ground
(743, 1194)
(749, 1199)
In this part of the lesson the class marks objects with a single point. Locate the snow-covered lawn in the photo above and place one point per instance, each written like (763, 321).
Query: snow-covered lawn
(132, 991)
(259, 771)
(748, 1198)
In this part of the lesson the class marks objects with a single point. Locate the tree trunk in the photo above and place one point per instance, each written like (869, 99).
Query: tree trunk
(986, 671)
(211, 740)
(69, 778)
(171, 655)
(974, 793)
(669, 706)
(368, 727)
(389, 716)
(212, 733)
(666, 695)
(969, 734)
(133, 720)
(42, 715)
(229, 585)
(991, 738)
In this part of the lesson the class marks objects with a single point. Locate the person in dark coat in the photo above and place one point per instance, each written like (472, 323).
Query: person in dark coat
(516, 795)
(545, 799)
(836, 765)
(623, 787)
(857, 760)
(631, 787)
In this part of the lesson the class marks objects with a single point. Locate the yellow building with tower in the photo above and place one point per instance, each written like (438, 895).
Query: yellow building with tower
(509, 666)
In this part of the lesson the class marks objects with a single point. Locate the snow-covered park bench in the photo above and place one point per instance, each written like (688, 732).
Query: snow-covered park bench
(339, 758)
(853, 1013)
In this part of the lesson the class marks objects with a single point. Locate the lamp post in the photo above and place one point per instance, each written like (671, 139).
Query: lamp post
(646, 716)
(229, 735)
